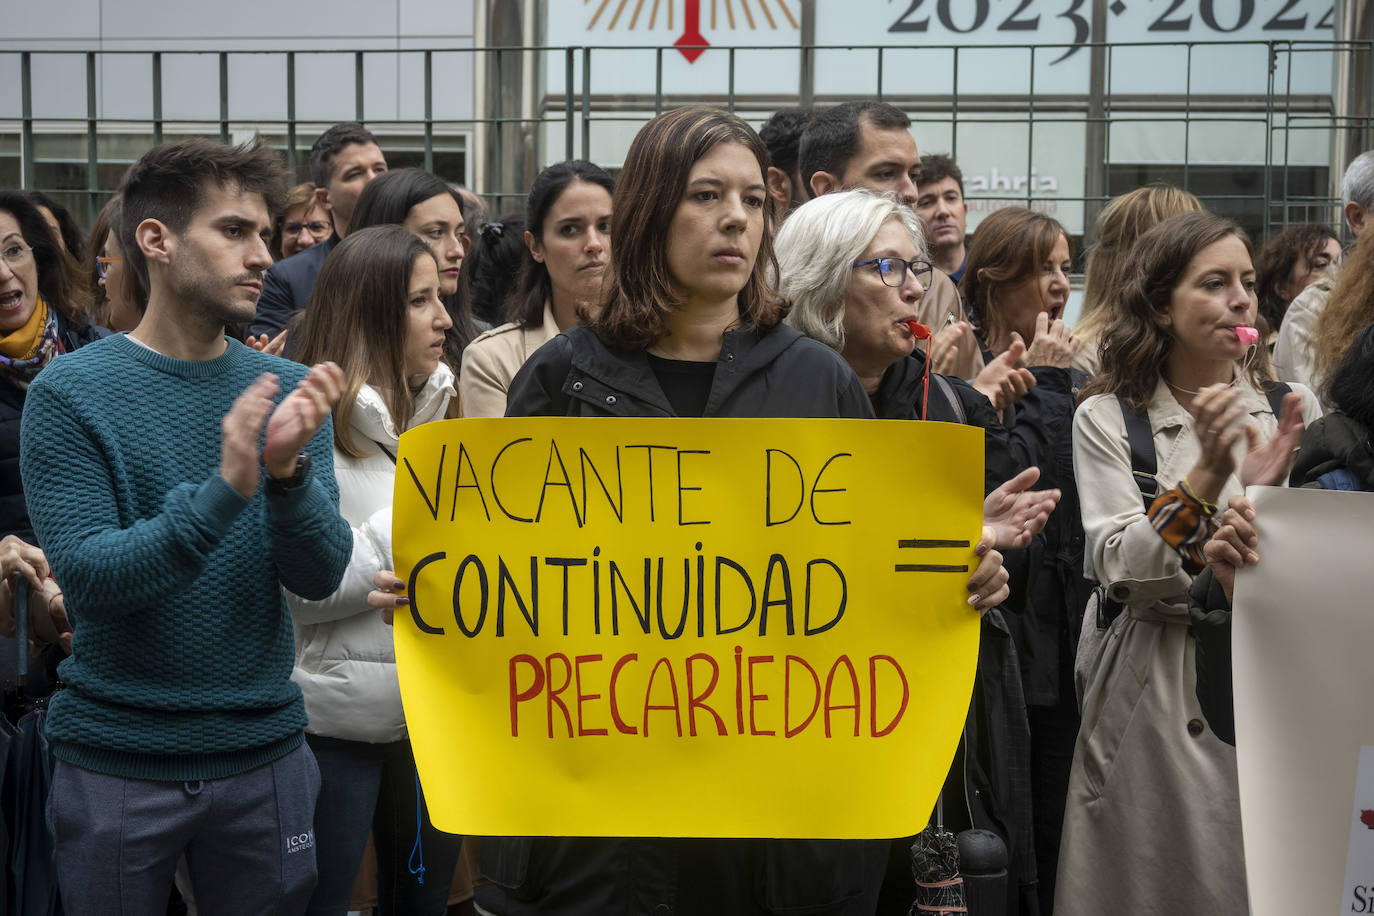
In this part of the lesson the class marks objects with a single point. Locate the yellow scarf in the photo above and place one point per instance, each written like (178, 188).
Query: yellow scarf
(23, 343)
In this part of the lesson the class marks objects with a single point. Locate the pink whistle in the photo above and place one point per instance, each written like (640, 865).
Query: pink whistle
(1247, 335)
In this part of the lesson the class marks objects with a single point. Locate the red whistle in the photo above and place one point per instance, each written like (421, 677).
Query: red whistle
(921, 332)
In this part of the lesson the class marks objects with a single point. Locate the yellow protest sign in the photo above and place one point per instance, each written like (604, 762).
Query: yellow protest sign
(686, 627)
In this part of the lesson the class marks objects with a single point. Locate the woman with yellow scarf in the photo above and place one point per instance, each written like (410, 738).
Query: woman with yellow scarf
(43, 314)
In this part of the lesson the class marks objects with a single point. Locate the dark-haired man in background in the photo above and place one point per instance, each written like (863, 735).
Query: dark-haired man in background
(176, 492)
(342, 161)
(782, 135)
(943, 211)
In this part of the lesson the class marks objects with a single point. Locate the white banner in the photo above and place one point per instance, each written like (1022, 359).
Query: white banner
(1304, 718)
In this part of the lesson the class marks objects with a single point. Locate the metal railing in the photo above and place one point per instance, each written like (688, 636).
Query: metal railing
(560, 115)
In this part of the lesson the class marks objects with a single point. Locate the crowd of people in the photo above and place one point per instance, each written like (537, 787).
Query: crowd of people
(202, 403)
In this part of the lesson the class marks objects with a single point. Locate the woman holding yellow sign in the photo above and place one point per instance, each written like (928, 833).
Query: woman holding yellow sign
(690, 327)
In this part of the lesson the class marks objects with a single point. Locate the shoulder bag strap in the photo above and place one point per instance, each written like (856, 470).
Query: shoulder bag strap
(1142, 442)
(950, 395)
(1276, 394)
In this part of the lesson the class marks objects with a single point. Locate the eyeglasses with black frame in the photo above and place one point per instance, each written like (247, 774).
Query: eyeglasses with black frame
(318, 228)
(102, 265)
(893, 270)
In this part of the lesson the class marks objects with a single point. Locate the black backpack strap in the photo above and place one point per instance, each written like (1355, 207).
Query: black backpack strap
(1142, 442)
(951, 395)
(1276, 394)
(1143, 468)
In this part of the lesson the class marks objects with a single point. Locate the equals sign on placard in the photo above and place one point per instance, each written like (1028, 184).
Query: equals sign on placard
(930, 544)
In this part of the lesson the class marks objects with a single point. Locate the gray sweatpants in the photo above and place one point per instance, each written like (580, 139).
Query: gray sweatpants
(248, 839)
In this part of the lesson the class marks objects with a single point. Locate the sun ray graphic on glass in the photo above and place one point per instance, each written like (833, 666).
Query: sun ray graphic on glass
(691, 43)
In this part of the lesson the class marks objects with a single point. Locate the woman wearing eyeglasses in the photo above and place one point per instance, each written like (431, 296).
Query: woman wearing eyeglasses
(1016, 286)
(301, 225)
(853, 265)
(43, 314)
(125, 296)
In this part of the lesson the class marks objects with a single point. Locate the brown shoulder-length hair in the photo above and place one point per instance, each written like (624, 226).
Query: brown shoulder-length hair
(1010, 246)
(357, 318)
(1137, 338)
(1348, 309)
(638, 295)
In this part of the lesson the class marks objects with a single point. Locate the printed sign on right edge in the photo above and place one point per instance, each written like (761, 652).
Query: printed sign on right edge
(1358, 893)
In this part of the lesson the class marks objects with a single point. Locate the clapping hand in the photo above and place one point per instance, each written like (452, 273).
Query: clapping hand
(299, 416)
(1014, 513)
(1268, 465)
(1004, 381)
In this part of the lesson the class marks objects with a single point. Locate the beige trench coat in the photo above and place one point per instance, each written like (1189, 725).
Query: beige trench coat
(491, 361)
(1152, 821)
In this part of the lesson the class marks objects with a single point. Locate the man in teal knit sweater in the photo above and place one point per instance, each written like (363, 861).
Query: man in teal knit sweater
(176, 491)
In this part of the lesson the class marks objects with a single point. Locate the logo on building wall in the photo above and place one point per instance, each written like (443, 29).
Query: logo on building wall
(713, 15)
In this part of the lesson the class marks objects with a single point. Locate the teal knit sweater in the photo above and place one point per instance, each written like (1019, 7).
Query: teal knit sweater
(183, 647)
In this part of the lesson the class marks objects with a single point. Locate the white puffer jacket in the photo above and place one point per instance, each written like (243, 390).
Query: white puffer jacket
(345, 661)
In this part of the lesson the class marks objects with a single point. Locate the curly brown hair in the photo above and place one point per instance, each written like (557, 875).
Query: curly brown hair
(639, 295)
(1303, 243)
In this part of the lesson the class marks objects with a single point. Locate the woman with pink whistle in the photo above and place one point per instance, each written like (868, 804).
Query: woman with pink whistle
(1182, 419)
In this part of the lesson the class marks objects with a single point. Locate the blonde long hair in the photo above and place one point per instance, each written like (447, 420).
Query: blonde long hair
(1124, 220)
(1349, 308)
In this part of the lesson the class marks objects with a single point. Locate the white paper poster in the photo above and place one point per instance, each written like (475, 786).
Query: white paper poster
(1304, 688)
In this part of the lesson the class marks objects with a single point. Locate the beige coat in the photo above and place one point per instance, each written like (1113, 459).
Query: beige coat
(1152, 821)
(491, 361)
(1295, 355)
(940, 303)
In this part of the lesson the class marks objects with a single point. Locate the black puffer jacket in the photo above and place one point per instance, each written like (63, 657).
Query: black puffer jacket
(775, 373)
(1333, 442)
(14, 514)
(902, 393)
(1048, 588)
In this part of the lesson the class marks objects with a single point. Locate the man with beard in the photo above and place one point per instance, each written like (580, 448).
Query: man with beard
(178, 480)
(342, 162)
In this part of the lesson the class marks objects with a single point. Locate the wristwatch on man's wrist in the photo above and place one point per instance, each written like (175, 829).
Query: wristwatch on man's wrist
(297, 477)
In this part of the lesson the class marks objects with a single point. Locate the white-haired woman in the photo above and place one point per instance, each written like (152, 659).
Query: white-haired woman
(853, 265)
